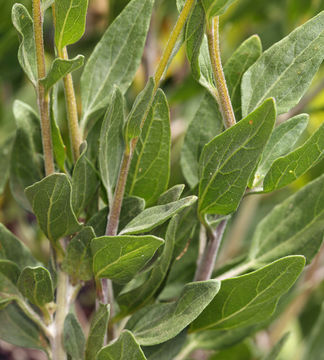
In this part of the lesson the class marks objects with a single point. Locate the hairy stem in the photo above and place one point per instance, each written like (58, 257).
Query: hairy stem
(42, 97)
(72, 110)
(223, 97)
(207, 262)
(61, 312)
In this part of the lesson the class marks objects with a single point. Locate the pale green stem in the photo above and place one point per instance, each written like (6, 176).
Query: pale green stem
(42, 97)
(223, 97)
(186, 351)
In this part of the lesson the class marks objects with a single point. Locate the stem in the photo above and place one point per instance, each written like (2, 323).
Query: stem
(61, 312)
(172, 41)
(186, 351)
(42, 98)
(207, 262)
(224, 100)
(72, 110)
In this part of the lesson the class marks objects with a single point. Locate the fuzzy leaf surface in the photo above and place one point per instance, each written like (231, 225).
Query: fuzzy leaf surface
(216, 7)
(156, 215)
(59, 69)
(205, 125)
(293, 227)
(149, 172)
(35, 284)
(119, 258)
(286, 69)
(8, 290)
(282, 140)
(98, 330)
(141, 295)
(10, 270)
(290, 167)
(227, 161)
(117, 56)
(111, 144)
(126, 348)
(70, 21)
(161, 322)
(24, 25)
(51, 202)
(250, 298)
(73, 338)
(172, 194)
(78, 258)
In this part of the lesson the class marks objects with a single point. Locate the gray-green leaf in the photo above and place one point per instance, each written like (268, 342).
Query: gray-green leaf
(242, 58)
(5, 153)
(84, 182)
(227, 162)
(149, 172)
(172, 194)
(290, 167)
(121, 257)
(78, 258)
(35, 284)
(8, 290)
(59, 69)
(286, 69)
(282, 140)
(50, 199)
(98, 331)
(70, 20)
(10, 270)
(141, 295)
(216, 7)
(117, 56)
(27, 49)
(73, 338)
(205, 125)
(111, 144)
(157, 215)
(250, 298)
(126, 348)
(158, 323)
(293, 227)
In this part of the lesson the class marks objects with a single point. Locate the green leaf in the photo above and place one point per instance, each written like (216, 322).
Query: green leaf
(314, 345)
(240, 351)
(70, 21)
(19, 330)
(45, 4)
(282, 140)
(111, 146)
(51, 202)
(59, 148)
(171, 195)
(8, 290)
(167, 350)
(10, 270)
(23, 23)
(227, 162)
(98, 331)
(195, 30)
(161, 322)
(84, 182)
(149, 172)
(275, 352)
(59, 69)
(35, 284)
(286, 69)
(25, 164)
(216, 7)
(205, 125)
(73, 338)
(126, 348)
(157, 215)
(11, 248)
(293, 227)
(206, 71)
(131, 207)
(250, 298)
(5, 152)
(78, 258)
(132, 300)
(245, 56)
(117, 56)
(139, 110)
(290, 167)
(121, 257)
